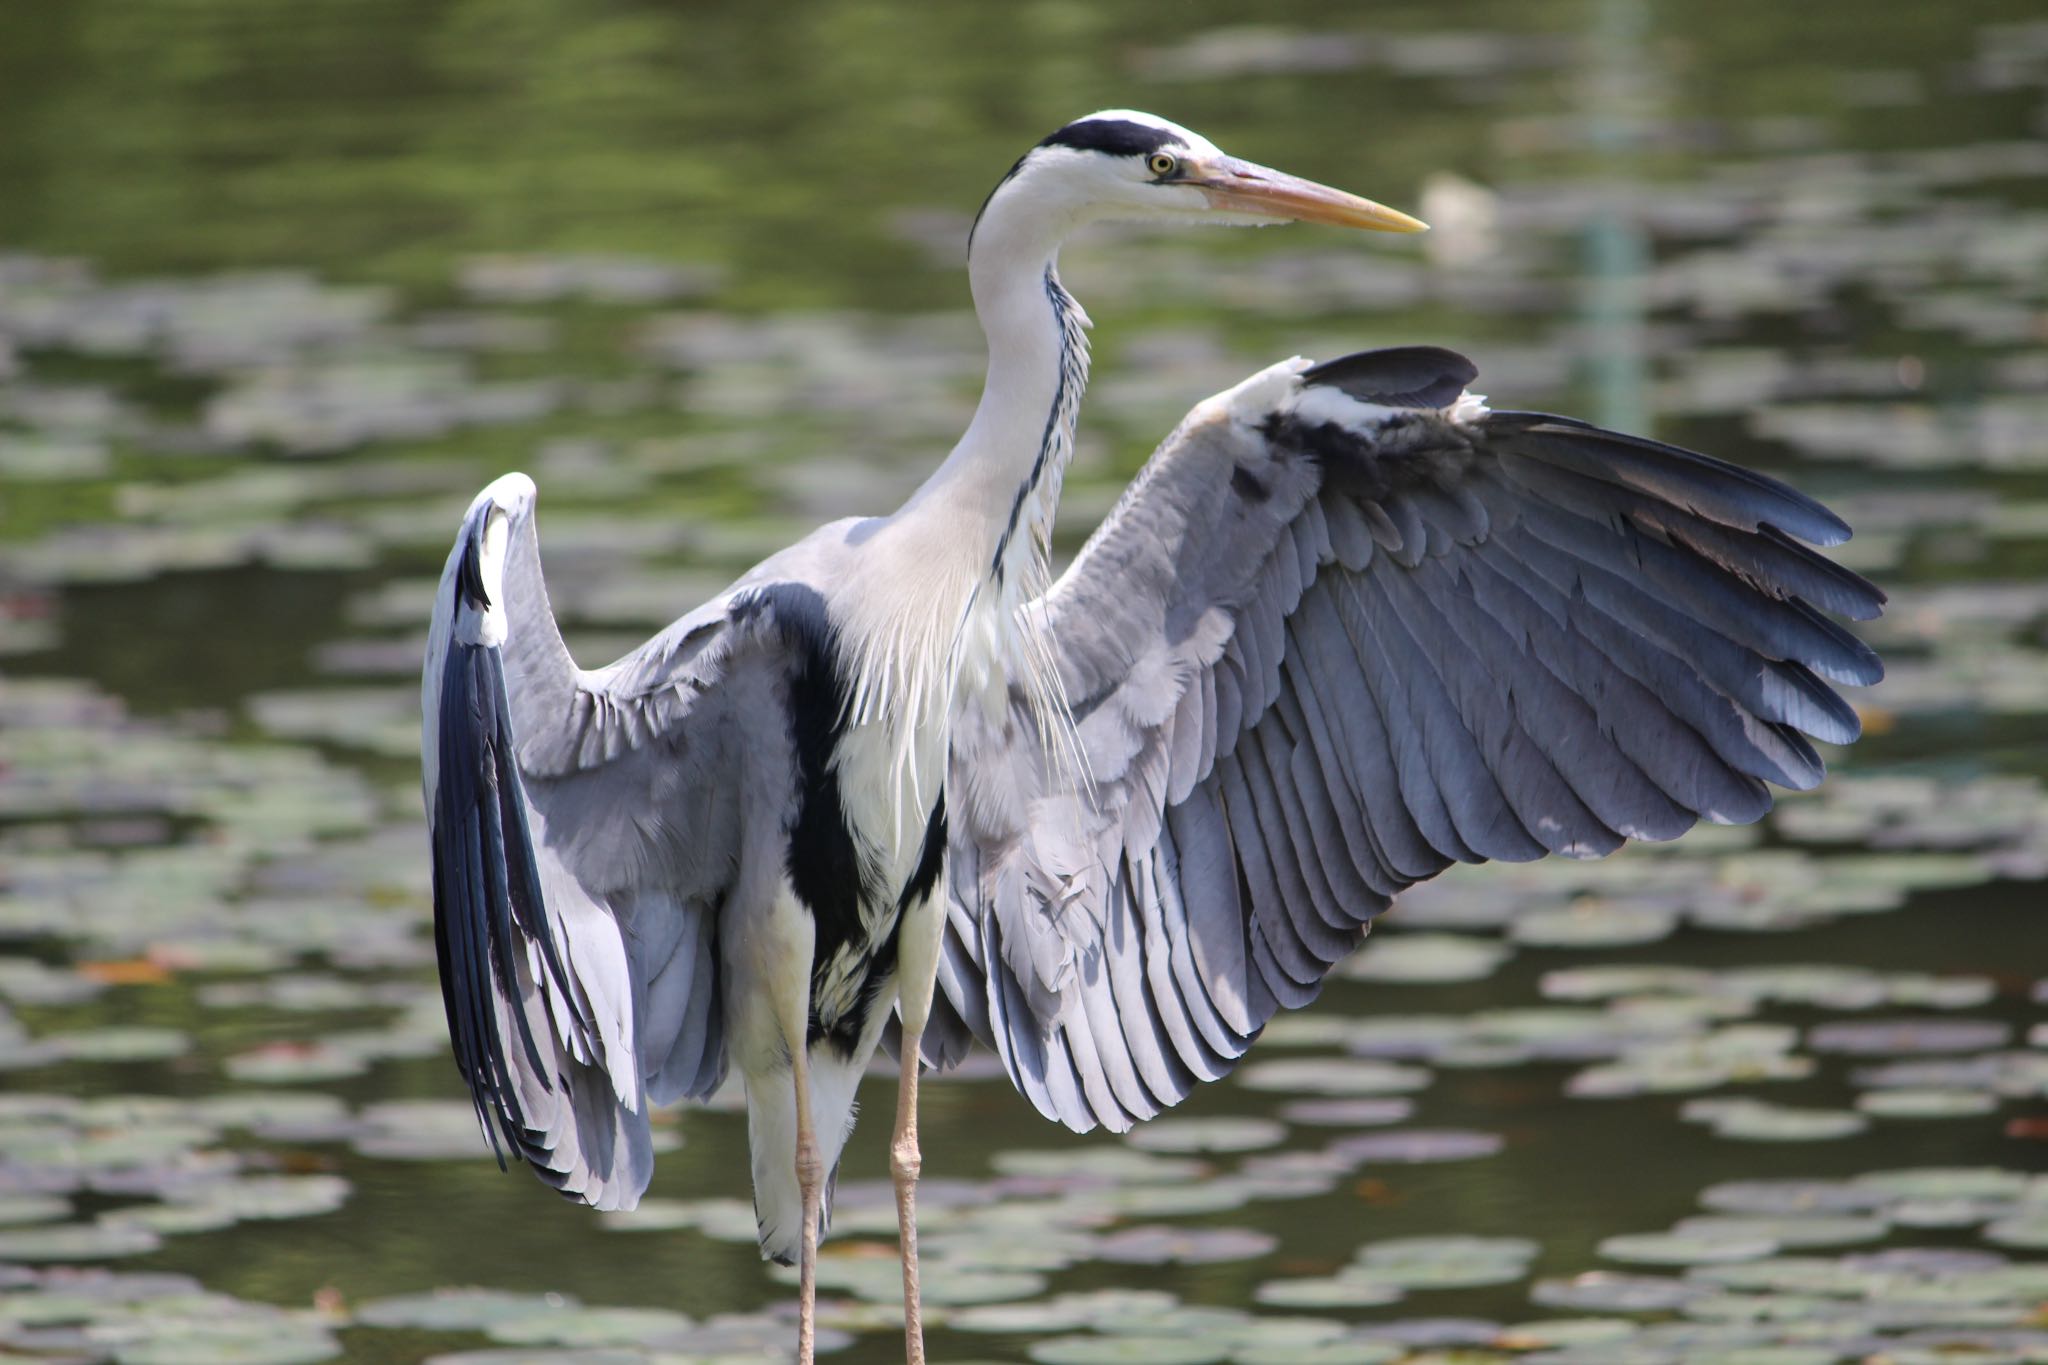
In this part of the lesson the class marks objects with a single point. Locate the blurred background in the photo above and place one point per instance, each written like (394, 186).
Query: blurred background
(281, 286)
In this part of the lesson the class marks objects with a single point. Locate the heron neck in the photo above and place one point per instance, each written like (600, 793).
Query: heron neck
(930, 607)
(997, 491)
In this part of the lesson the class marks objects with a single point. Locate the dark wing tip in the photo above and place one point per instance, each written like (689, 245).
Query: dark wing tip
(1398, 376)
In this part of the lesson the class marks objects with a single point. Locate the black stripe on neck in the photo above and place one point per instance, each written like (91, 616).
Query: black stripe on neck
(1070, 378)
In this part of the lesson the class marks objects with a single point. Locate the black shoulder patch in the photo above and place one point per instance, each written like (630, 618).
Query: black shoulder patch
(1113, 136)
(825, 866)
(1398, 376)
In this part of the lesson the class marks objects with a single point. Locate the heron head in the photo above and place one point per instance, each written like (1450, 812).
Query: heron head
(1120, 165)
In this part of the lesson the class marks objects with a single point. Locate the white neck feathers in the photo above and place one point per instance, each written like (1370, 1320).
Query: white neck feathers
(939, 615)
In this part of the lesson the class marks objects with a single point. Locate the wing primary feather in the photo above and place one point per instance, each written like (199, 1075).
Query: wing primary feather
(1531, 791)
(1392, 731)
(1357, 730)
(1485, 822)
(1176, 1013)
(1334, 818)
(1727, 492)
(1215, 947)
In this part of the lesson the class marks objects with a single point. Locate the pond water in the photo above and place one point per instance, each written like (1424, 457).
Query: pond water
(283, 286)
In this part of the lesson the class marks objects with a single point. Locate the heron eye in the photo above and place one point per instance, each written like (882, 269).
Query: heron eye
(1163, 164)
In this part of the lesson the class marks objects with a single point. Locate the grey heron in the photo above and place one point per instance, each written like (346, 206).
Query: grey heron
(1347, 627)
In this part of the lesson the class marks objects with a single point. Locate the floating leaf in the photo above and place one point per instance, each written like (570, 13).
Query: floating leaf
(588, 1326)
(32, 1208)
(119, 1044)
(1749, 1120)
(2028, 1231)
(1944, 1182)
(1593, 924)
(1892, 1036)
(1126, 1350)
(1182, 1246)
(1804, 1230)
(1671, 1248)
(1606, 1291)
(1426, 958)
(1351, 1351)
(459, 1310)
(1925, 1104)
(1108, 1163)
(283, 1063)
(1353, 1113)
(1412, 1145)
(75, 1242)
(1551, 1332)
(268, 1196)
(1207, 1135)
(1802, 1197)
(1328, 1292)
(1333, 1076)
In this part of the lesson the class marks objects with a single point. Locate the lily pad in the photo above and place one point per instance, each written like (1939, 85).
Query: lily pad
(1792, 1232)
(32, 1208)
(120, 1044)
(459, 1310)
(2025, 1231)
(1409, 1146)
(1207, 1135)
(1607, 1291)
(1771, 1198)
(284, 1063)
(1338, 1291)
(1554, 1332)
(1752, 1121)
(1352, 1113)
(1926, 1104)
(1672, 1248)
(1349, 1351)
(1159, 1245)
(1944, 1182)
(1593, 924)
(1126, 1350)
(75, 1242)
(1864, 1037)
(588, 1326)
(1333, 1076)
(268, 1196)
(1426, 958)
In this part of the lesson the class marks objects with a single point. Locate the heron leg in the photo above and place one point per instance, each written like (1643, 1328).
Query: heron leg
(905, 1163)
(917, 976)
(810, 1183)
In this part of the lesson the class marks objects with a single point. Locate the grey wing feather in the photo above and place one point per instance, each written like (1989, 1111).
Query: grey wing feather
(584, 830)
(1346, 628)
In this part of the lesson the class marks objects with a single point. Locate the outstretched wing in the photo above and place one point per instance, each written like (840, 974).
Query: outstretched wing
(1346, 628)
(585, 829)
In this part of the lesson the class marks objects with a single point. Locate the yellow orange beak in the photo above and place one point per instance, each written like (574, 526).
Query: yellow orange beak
(1245, 187)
